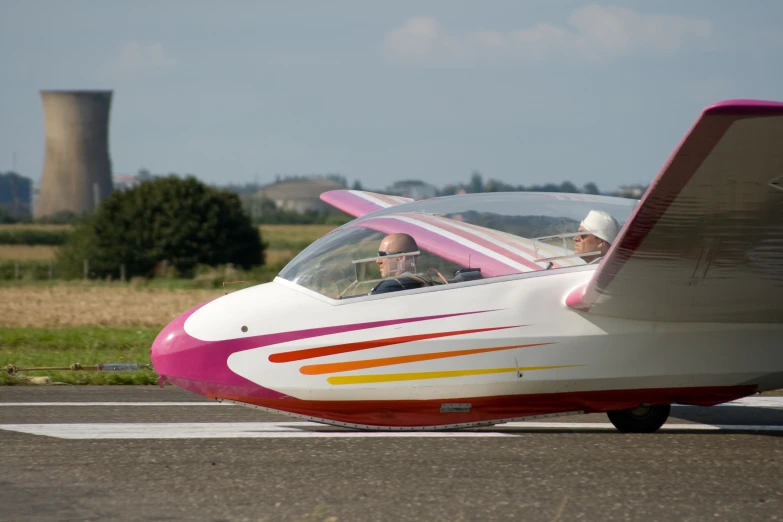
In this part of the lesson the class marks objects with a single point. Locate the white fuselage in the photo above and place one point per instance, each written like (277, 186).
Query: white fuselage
(576, 351)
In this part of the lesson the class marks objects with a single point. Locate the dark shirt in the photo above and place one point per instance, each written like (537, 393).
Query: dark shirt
(402, 282)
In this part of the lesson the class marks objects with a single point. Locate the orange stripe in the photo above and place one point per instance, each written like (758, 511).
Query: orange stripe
(310, 353)
(319, 369)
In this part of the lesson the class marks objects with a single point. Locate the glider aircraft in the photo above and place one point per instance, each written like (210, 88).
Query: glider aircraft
(479, 309)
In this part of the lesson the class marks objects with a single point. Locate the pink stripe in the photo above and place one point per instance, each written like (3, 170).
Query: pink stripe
(341, 201)
(510, 242)
(441, 246)
(350, 203)
(471, 236)
(521, 246)
(358, 206)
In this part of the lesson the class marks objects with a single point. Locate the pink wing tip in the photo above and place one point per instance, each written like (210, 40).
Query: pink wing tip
(329, 195)
(745, 106)
(575, 299)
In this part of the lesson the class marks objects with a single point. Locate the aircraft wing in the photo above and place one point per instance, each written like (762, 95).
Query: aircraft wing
(358, 203)
(496, 253)
(705, 243)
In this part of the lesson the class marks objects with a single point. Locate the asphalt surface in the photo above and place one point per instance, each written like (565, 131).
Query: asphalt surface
(517, 473)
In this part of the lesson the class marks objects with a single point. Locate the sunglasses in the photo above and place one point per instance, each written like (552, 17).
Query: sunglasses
(381, 253)
(583, 236)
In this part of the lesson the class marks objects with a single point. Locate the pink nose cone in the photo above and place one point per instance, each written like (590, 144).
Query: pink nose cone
(201, 366)
(169, 352)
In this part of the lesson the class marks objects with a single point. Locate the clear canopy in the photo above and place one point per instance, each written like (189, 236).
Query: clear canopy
(451, 240)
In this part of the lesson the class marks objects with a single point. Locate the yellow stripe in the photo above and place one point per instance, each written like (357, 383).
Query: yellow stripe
(393, 377)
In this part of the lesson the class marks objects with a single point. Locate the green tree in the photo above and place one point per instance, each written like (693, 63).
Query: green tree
(448, 190)
(590, 188)
(569, 187)
(476, 184)
(181, 221)
(8, 217)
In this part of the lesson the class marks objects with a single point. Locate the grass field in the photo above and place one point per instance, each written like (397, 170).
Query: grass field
(295, 237)
(62, 347)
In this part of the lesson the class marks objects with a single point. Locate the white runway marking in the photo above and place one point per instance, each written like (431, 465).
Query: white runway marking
(757, 402)
(751, 402)
(282, 430)
(665, 427)
(204, 430)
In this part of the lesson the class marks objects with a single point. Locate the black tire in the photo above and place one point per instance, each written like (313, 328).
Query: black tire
(643, 419)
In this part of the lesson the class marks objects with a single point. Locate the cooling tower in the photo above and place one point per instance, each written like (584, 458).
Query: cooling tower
(77, 168)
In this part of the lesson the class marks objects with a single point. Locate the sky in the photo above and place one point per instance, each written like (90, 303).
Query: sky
(526, 92)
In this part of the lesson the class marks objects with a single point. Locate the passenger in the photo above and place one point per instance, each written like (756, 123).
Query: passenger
(398, 271)
(600, 230)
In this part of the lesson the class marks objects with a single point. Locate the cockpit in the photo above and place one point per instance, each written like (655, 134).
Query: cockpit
(459, 239)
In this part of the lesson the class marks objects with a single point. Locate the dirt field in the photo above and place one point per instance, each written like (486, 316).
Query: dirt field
(31, 226)
(27, 252)
(67, 305)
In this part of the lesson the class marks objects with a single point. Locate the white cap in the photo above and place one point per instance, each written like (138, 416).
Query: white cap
(601, 225)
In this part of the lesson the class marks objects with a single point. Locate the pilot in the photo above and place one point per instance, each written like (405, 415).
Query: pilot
(398, 271)
(599, 232)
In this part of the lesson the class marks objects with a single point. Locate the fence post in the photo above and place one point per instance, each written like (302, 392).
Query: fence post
(86, 269)
(122, 272)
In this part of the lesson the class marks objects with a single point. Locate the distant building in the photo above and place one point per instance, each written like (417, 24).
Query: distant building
(300, 194)
(632, 191)
(125, 181)
(77, 173)
(16, 193)
(413, 188)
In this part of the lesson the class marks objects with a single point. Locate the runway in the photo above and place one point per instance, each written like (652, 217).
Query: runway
(146, 453)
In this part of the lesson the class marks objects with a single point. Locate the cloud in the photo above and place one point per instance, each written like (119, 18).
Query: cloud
(605, 32)
(136, 58)
(421, 39)
(591, 33)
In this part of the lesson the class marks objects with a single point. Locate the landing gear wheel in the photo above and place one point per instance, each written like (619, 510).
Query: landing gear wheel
(643, 419)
